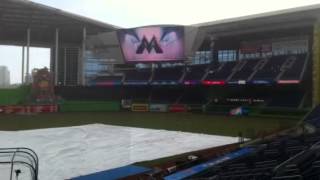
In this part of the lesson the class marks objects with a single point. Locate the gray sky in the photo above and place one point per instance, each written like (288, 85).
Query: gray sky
(133, 13)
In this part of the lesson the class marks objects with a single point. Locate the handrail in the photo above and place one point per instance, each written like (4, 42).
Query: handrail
(280, 167)
(305, 66)
(28, 151)
(31, 159)
(314, 148)
(11, 169)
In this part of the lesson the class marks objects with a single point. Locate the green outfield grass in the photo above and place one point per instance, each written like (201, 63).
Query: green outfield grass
(187, 122)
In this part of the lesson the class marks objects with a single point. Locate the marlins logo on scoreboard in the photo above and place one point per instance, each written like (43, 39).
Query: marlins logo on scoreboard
(150, 44)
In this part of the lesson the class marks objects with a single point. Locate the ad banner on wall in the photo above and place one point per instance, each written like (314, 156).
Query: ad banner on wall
(158, 108)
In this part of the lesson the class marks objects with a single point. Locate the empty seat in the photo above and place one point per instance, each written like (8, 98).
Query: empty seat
(195, 73)
(245, 72)
(271, 69)
(222, 73)
(168, 74)
(138, 75)
(294, 72)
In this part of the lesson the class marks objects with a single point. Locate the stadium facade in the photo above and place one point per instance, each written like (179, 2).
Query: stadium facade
(220, 62)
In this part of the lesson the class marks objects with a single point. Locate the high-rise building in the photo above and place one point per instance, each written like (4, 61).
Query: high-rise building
(4, 77)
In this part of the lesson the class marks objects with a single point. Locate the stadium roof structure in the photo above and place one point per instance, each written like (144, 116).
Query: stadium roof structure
(26, 23)
(16, 16)
(283, 19)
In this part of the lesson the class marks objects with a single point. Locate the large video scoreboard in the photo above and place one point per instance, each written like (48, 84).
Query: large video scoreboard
(152, 44)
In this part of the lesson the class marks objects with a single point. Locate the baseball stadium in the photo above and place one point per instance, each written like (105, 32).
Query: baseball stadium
(232, 99)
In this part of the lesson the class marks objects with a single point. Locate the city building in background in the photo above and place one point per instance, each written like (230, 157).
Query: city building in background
(4, 77)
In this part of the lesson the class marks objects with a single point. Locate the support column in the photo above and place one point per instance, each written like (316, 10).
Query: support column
(56, 63)
(22, 69)
(81, 69)
(65, 67)
(214, 58)
(316, 65)
(28, 57)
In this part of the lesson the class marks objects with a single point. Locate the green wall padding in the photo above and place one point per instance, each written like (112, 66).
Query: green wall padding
(89, 106)
(14, 96)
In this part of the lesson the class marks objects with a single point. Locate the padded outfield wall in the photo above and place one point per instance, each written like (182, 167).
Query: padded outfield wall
(89, 106)
(14, 96)
(316, 65)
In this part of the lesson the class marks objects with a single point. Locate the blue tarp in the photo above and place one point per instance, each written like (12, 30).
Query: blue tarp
(205, 166)
(113, 174)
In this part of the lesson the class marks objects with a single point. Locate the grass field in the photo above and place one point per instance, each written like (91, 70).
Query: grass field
(187, 122)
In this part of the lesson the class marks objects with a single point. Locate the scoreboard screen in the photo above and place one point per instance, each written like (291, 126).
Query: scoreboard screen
(152, 44)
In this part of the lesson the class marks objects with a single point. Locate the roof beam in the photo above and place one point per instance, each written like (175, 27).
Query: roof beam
(26, 21)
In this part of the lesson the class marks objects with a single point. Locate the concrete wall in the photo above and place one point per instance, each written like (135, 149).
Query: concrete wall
(110, 45)
(194, 37)
(316, 65)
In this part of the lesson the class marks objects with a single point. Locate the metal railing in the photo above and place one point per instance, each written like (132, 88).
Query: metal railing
(25, 157)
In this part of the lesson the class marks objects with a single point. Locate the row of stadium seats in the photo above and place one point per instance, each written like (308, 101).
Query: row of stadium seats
(281, 69)
(141, 75)
(245, 70)
(290, 155)
(168, 74)
(194, 73)
(260, 164)
(270, 68)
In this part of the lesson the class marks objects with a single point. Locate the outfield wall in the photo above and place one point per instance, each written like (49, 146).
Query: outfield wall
(14, 96)
(89, 106)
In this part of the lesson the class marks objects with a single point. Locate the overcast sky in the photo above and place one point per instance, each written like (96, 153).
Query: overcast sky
(133, 13)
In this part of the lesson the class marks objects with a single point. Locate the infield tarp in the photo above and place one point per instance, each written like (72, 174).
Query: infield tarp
(70, 152)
